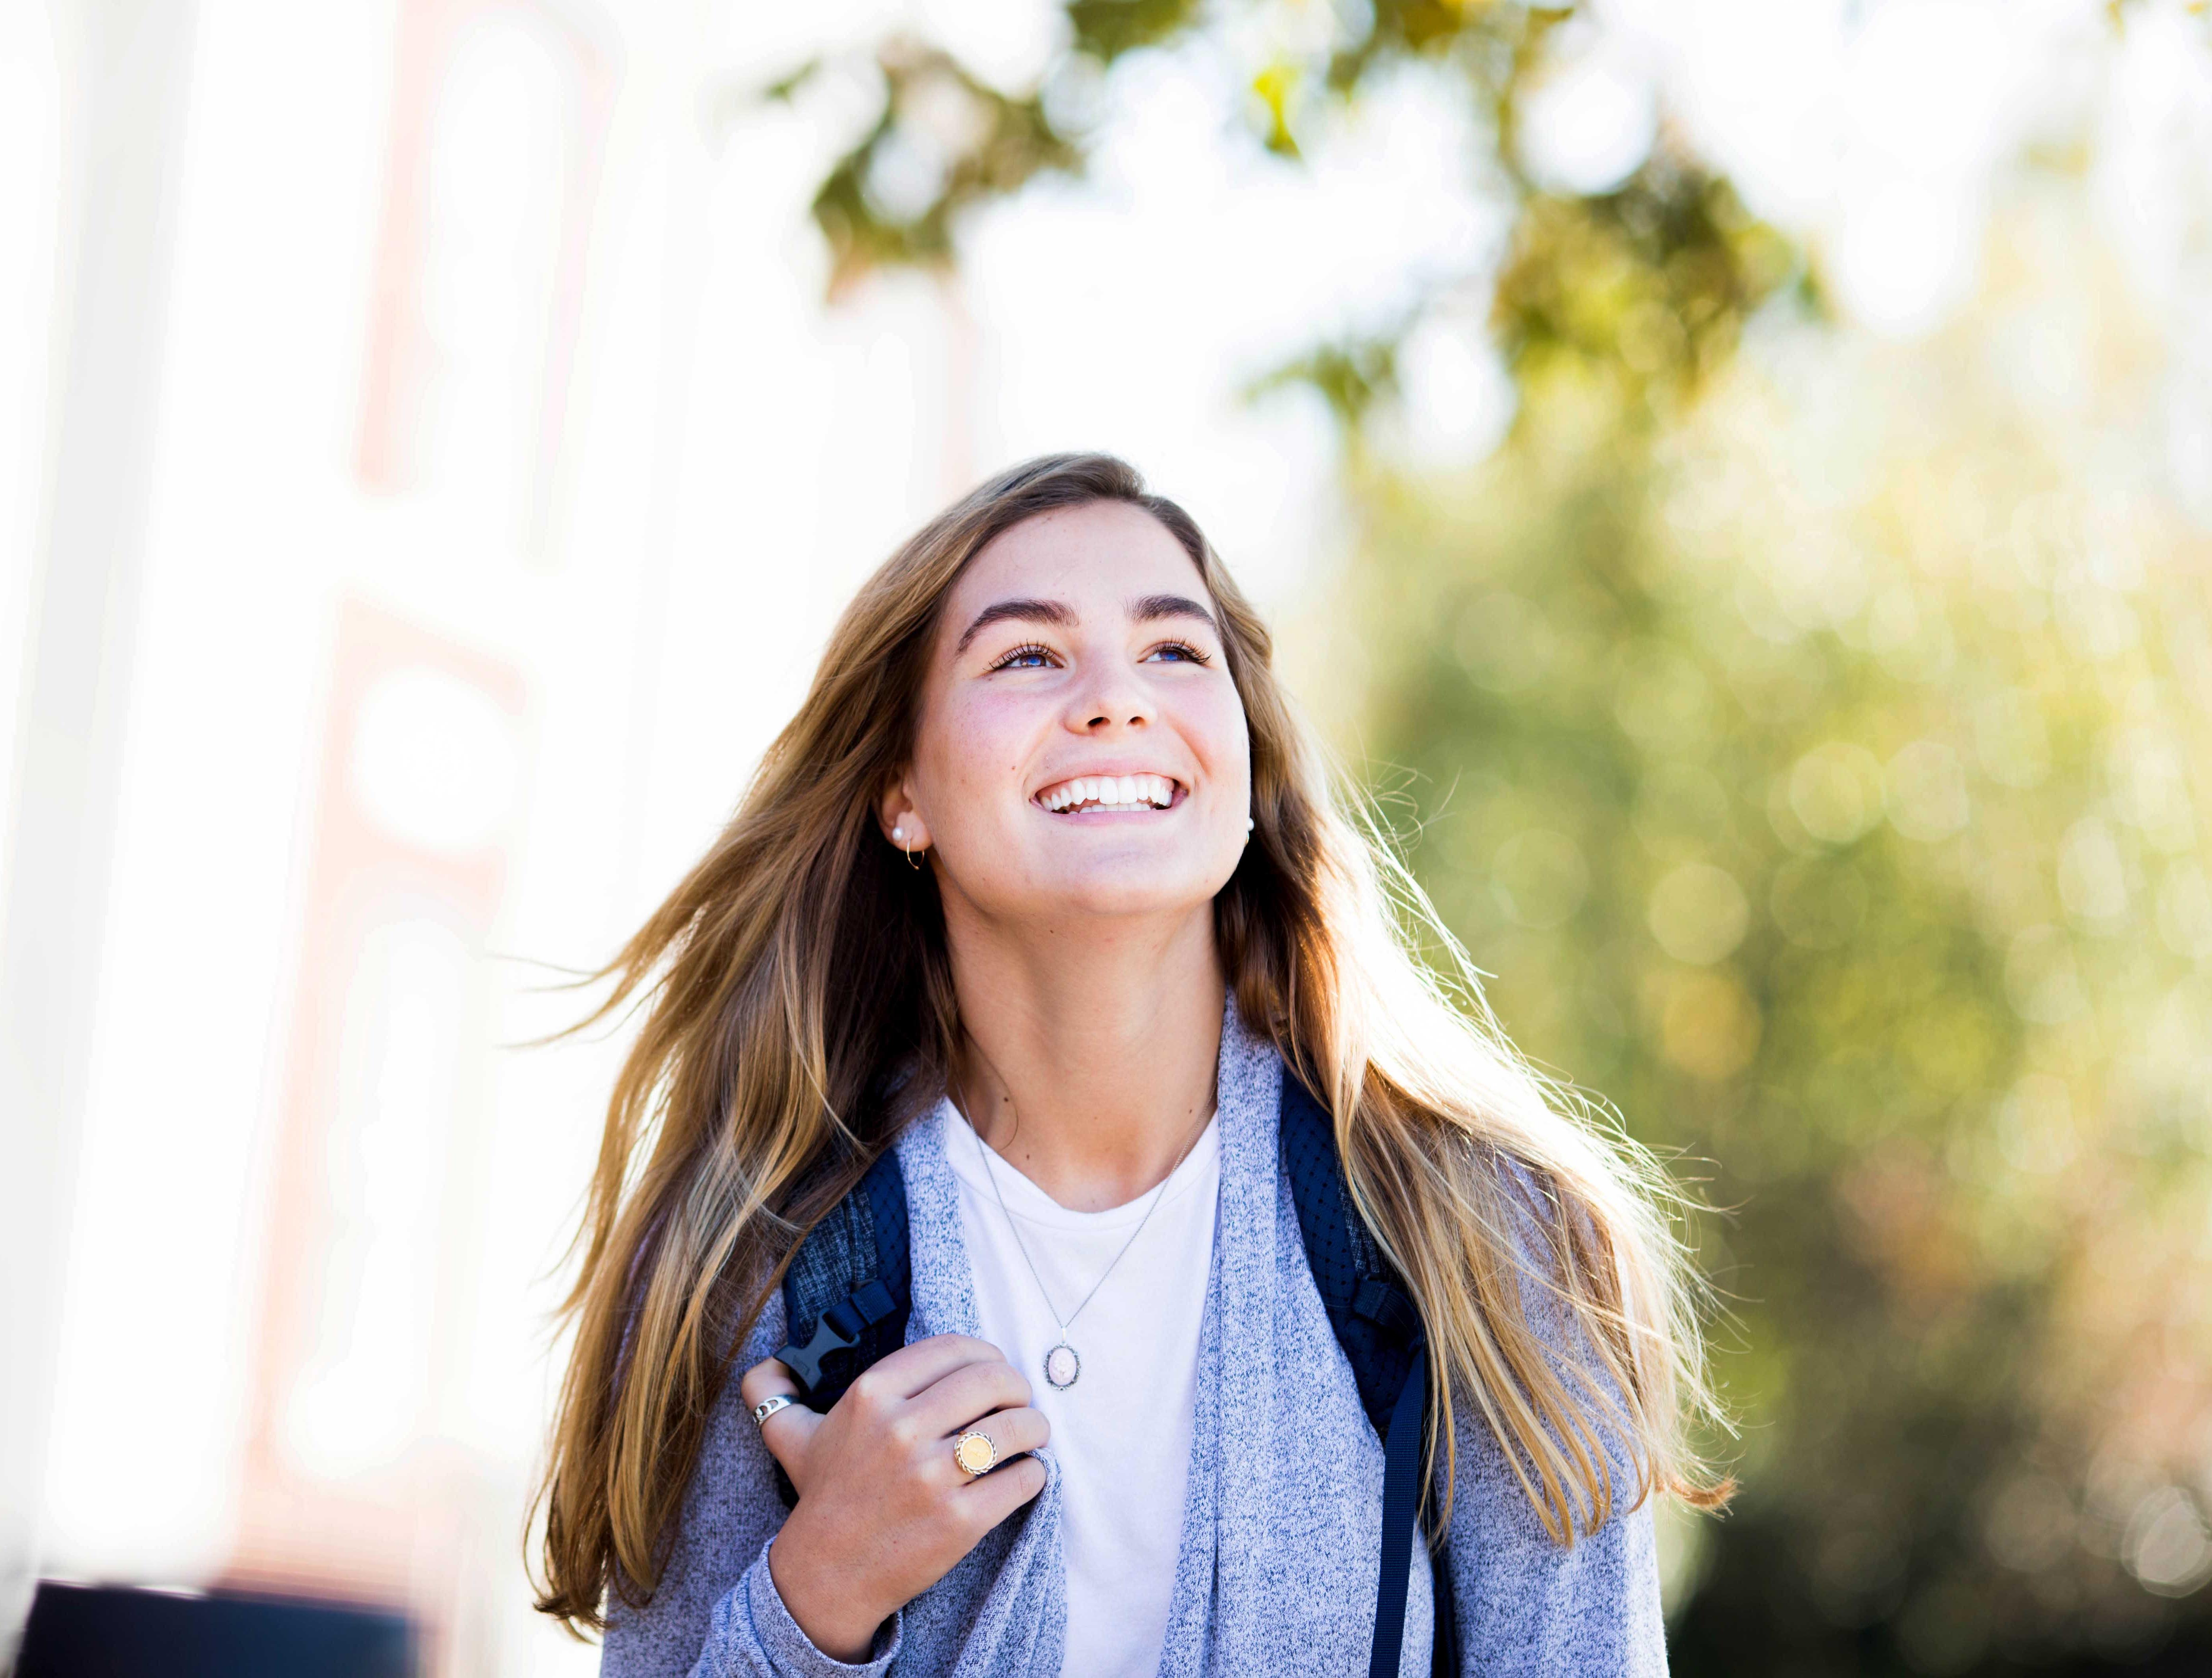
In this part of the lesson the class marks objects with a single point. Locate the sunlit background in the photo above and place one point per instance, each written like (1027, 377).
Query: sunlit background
(1733, 476)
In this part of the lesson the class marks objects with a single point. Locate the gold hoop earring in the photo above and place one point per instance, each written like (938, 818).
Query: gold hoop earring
(911, 863)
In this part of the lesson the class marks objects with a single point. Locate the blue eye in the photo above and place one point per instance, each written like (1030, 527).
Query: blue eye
(1031, 657)
(1182, 652)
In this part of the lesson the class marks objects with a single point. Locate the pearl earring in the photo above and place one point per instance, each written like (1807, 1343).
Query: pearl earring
(1248, 824)
(898, 835)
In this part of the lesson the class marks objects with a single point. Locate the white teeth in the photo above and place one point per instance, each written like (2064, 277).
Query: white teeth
(1123, 792)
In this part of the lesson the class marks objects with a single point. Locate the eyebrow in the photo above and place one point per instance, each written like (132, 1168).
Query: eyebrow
(1148, 609)
(1155, 606)
(1021, 611)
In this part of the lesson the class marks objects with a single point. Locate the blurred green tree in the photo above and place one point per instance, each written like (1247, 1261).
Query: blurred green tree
(945, 141)
(1820, 775)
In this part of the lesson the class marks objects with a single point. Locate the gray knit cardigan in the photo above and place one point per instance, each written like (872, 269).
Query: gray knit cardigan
(1281, 1523)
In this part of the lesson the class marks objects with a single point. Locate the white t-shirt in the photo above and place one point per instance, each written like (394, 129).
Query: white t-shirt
(1122, 1431)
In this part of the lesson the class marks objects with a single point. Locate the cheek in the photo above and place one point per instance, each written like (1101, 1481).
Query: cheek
(973, 744)
(1223, 737)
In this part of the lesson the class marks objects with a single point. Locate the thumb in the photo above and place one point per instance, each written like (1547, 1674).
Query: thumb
(790, 1429)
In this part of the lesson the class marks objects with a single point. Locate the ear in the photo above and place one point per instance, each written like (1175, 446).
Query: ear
(902, 824)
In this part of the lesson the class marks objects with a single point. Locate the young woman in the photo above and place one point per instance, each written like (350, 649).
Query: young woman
(1045, 888)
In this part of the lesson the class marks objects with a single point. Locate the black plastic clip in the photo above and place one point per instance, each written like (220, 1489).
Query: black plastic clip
(839, 1330)
(1388, 1309)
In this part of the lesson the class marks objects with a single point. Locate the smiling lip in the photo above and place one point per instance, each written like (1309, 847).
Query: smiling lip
(1144, 792)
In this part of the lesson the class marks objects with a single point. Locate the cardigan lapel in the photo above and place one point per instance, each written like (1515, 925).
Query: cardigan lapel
(1003, 1608)
(1282, 1529)
(1185, 1649)
(1243, 1369)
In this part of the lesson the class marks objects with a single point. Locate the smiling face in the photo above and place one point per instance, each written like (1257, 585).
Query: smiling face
(1081, 750)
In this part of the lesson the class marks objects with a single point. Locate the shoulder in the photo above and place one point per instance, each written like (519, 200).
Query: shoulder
(1551, 1263)
(1544, 1229)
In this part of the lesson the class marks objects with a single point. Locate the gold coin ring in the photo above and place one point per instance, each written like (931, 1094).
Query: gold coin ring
(975, 1453)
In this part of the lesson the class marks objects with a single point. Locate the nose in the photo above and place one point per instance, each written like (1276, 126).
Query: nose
(1115, 700)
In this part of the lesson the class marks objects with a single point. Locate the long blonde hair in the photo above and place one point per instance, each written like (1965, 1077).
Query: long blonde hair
(800, 967)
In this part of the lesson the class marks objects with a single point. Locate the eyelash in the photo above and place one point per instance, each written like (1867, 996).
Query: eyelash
(1027, 650)
(1031, 650)
(1183, 647)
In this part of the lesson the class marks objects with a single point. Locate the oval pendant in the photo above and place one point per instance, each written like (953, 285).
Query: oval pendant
(1061, 1366)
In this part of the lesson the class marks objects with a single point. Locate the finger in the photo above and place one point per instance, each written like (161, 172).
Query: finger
(788, 1434)
(998, 1494)
(765, 1379)
(972, 1390)
(913, 1369)
(1011, 1433)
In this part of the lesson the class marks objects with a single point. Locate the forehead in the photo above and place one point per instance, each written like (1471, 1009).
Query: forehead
(1094, 558)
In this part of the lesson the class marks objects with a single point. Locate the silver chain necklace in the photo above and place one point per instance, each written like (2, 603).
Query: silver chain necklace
(1063, 1364)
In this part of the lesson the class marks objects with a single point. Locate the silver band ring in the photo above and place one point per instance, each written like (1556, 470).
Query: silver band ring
(975, 1453)
(768, 1406)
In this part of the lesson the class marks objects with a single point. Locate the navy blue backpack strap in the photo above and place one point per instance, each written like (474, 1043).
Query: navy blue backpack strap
(1374, 1316)
(1379, 1326)
(848, 1290)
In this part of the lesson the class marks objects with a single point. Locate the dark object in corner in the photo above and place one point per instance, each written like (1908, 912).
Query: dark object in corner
(114, 1632)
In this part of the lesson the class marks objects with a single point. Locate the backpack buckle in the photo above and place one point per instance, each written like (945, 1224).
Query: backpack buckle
(839, 1329)
(1387, 1307)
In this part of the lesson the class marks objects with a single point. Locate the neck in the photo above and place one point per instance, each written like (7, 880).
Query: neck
(1090, 1052)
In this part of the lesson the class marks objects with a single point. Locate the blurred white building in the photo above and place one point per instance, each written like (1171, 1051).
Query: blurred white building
(427, 472)
(403, 572)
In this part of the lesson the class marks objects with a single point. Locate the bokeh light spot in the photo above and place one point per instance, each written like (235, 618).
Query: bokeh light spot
(1836, 791)
(2041, 978)
(2011, 739)
(1698, 914)
(1538, 878)
(2092, 880)
(1927, 792)
(1708, 1026)
(2168, 1548)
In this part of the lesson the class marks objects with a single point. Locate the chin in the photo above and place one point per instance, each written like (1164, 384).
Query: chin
(1129, 891)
